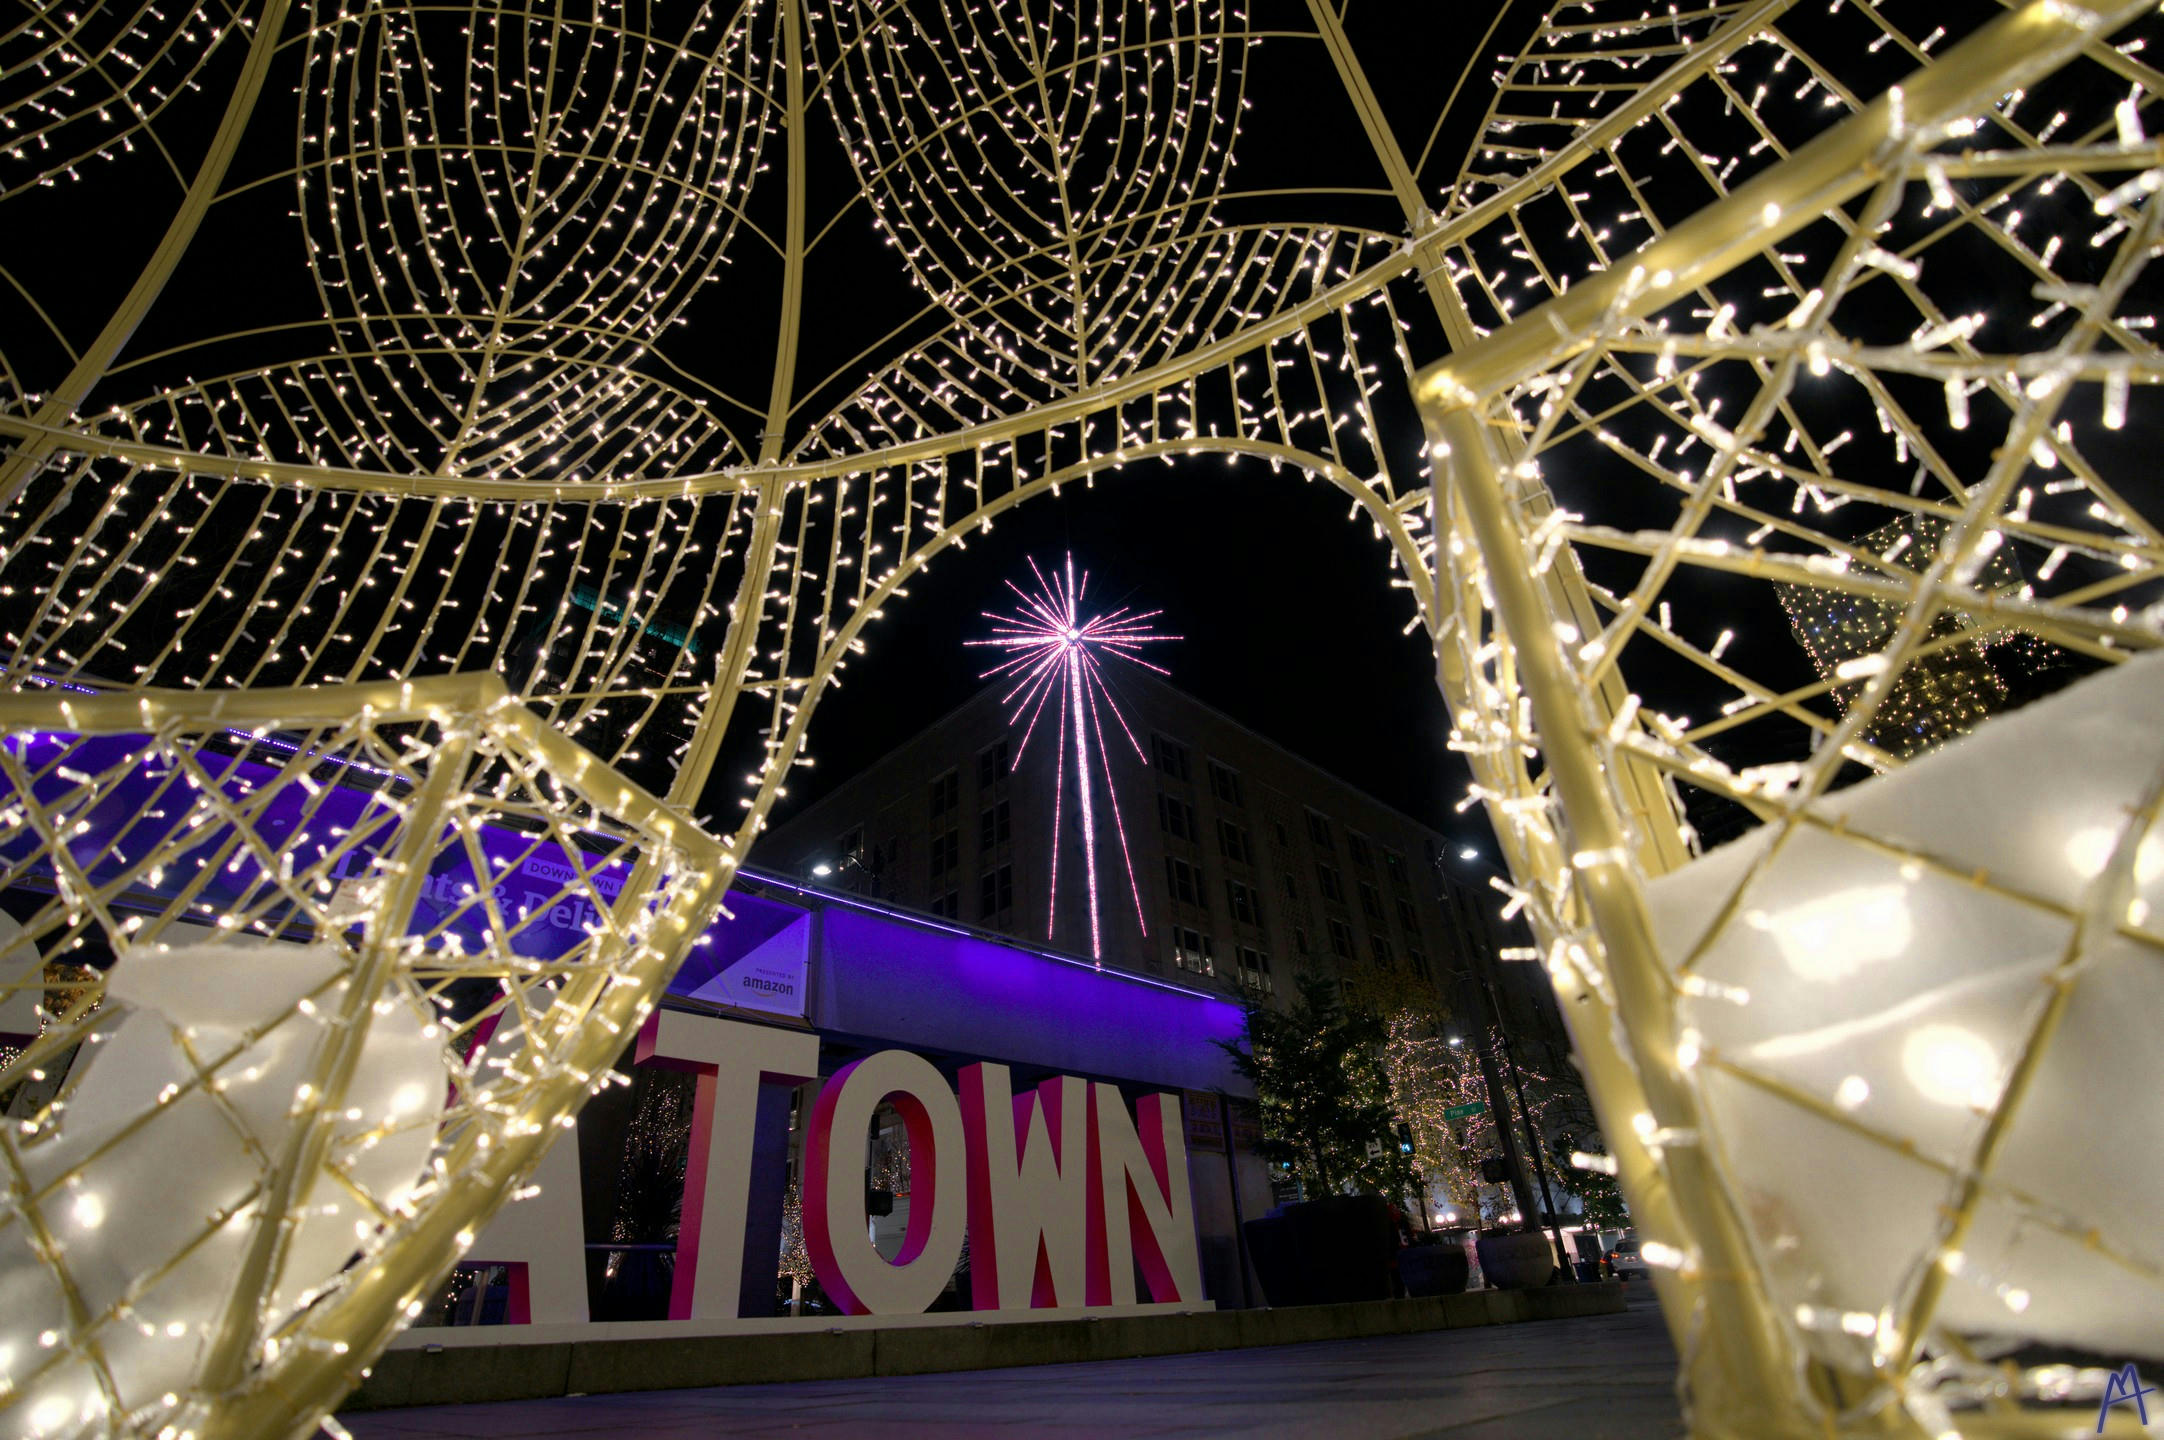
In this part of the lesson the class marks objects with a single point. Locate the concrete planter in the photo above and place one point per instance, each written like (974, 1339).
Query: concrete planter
(1438, 1269)
(1324, 1252)
(1516, 1259)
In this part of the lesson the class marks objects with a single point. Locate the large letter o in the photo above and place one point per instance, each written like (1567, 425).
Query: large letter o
(857, 1276)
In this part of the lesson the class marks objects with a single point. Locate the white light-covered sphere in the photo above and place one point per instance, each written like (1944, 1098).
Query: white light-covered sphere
(149, 1221)
(1865, 969)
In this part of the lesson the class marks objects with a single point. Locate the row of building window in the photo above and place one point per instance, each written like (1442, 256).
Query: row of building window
(995, 896)
(995, 827)
(946, 792)
(1185, 880)
(1178, 816)
(1195, 953)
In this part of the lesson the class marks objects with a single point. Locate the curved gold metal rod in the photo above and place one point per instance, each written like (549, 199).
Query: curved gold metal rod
(747, 616)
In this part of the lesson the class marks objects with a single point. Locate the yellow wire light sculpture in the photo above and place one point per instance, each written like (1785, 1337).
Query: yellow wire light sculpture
(303, 613)
(1847, 1055)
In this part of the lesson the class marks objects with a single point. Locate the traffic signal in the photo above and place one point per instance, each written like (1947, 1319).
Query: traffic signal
(1495, 1170)
(1405, 1138)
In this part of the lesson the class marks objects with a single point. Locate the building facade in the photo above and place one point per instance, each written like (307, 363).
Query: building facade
(1228, 861)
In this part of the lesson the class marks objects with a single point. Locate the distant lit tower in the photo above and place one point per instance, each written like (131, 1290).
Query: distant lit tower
(1941, 695)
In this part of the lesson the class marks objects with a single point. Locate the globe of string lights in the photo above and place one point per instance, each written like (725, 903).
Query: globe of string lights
(463, 432)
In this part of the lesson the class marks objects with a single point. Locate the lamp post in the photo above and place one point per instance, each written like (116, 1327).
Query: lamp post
(1477, 981)
(849, 872)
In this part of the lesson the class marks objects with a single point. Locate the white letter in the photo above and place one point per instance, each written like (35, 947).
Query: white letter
(730, 1060)
(857, 1276)
(1028, 1216)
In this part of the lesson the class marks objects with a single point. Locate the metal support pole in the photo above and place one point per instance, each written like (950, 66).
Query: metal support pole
(1239, 1219)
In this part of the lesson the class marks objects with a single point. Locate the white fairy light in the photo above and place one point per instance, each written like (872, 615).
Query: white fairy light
(492, 459)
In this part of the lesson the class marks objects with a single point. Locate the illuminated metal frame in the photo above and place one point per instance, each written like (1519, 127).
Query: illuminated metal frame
(1538, 693)
(1451, 548)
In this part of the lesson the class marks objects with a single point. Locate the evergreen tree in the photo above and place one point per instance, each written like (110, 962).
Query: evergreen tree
(1322, 1092)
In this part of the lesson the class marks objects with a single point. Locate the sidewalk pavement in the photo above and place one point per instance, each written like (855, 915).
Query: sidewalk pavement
(1607, 1377)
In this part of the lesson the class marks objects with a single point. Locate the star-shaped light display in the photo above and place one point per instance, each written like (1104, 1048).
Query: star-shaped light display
(1053, 652)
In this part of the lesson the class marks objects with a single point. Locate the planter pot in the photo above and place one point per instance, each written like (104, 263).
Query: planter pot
(1324, 1252)
(1276, 1258)
(1440, 1269)
(1346, 1245)
(1516, 1260)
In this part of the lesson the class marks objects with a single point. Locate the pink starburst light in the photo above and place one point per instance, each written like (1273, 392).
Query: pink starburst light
(1055, 656)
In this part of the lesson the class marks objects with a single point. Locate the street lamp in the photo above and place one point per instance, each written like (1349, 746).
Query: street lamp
(1481, 985)
(822, 869)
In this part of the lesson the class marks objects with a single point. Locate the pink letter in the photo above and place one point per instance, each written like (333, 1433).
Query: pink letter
(730, 1060)
(1028, 1213)
(854, 1273)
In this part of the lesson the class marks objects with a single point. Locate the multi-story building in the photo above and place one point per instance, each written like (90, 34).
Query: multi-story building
(1228, 859)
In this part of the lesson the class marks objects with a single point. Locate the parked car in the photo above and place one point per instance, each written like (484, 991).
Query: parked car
(1624, 1262)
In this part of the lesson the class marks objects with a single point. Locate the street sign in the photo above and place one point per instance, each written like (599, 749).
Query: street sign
(1462, 1112)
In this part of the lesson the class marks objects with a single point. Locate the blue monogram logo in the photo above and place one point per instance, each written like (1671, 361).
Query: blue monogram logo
(2121, 1389)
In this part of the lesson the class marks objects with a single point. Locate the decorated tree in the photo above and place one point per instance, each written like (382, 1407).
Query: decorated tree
(1323, 1093)
(795, 1258)
(1428, 1076)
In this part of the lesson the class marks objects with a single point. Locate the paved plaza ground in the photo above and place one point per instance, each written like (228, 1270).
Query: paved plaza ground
(1607, 1377)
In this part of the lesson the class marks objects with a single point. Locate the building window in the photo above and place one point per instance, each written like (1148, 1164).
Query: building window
(1255, 970)
(1284, 836)
(1232, 839)
(1408, 921)
(946, 792)
(1245, 904)
(993, 827)
(1292, 890)
(1318, 829)
(949, 905)
(1341, 939)
(946, 853)
(1177, 817)
(995, 892)
(1356, 845)
(1171, 757)
(1225, 783)
(1186, 883)
(1299, 940)
(1419, 962)
(1383, 955)
(992, 765)
(1371, 905)
(1395, 864)
(851, 843)
(1332, 888)
(1191, 951)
